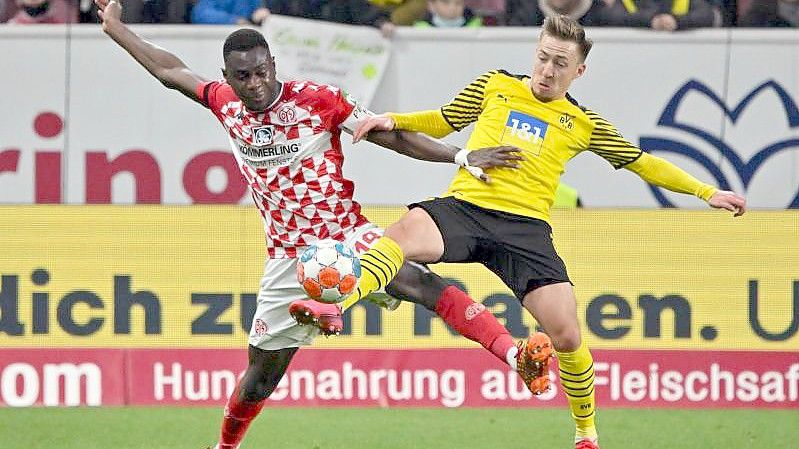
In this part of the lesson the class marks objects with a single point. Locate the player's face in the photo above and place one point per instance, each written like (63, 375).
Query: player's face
(251, 74)
(557, 64)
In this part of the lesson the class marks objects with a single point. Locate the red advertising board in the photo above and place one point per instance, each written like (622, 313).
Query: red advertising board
(53, 377)
(393, 378)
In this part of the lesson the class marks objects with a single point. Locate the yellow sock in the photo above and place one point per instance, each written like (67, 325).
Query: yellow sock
(577, 379)
(379, 265)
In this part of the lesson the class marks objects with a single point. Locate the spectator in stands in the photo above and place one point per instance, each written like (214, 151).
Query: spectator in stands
(586, 12)
(87, 12)
(156, 11)
(627, 13)
(728, 10)
(403, 12)
(229, 12)
(675, 15)
(533, 12)
(771, 13)
(45, 11)
(449, 14)
(6, 10)
(353, 12)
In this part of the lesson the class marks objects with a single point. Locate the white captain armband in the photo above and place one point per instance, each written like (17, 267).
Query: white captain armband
(461, 158)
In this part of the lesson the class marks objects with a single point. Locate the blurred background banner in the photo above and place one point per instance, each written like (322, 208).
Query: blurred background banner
(152, 304)
(148, 276)
(349, 56)
(86, 124)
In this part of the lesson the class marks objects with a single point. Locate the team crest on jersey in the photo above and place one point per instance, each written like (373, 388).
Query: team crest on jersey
(260, 327)
(473, 310)
(287, 115)
(263, 135)
(567, 122)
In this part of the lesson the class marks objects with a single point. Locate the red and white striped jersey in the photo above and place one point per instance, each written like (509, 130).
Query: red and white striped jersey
(290, 156)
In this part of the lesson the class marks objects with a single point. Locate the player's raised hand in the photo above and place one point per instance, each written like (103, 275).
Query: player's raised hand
(375, 123)
(108, 10)
(731, 201)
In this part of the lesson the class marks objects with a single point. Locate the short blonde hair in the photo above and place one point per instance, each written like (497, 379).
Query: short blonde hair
(567, 29)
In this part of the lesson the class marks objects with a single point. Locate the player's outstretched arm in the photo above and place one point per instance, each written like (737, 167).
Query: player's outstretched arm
(378, 129)
(663, 173)
(373, 123)
(422, 147)
(163, 65)
(430, 122)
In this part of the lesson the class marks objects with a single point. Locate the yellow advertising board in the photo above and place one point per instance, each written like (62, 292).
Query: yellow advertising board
(187, 276)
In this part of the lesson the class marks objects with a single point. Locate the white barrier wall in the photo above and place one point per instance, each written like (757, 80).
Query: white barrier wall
(78, 113)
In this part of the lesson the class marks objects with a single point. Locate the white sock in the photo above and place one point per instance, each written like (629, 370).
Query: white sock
(510, 357)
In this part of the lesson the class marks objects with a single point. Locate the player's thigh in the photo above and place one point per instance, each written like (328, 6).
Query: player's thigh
(273, 328)
(444, 230)
(521, 252)
(418, 236)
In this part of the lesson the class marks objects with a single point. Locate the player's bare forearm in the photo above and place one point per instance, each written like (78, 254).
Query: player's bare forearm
(156, 60)
(415, 145)
(163, 65)
(420, 146)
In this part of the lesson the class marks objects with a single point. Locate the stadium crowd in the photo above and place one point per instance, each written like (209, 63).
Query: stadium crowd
(663, 15)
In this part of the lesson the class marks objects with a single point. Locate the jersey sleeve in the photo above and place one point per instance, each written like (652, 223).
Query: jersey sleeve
(429, 122)
(608, 143)
(207, 93)
(660, 172)
(351, 112)
(466, 107)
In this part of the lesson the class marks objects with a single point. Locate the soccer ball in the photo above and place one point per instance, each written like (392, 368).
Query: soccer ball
(328, 271)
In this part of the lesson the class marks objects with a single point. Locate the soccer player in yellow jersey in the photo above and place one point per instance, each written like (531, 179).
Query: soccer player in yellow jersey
(504, 224)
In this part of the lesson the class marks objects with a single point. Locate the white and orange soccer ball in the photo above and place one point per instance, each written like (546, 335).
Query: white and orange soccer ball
(328, 271)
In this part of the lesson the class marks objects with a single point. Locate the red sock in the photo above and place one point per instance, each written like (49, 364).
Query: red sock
(238, 416)
(474, 321)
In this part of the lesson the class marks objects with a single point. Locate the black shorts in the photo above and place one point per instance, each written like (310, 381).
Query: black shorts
(516, 248)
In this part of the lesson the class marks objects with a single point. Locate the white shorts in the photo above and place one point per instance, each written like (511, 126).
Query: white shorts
(272, 326)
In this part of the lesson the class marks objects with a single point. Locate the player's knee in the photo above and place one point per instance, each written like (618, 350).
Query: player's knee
(252, 389)
(256, 388)
(400, 234)
(565, 339)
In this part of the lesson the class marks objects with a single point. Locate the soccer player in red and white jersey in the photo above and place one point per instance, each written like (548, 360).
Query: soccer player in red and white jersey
(285, 136)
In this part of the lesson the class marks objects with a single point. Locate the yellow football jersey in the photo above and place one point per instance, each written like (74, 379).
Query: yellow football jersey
(549, 133)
